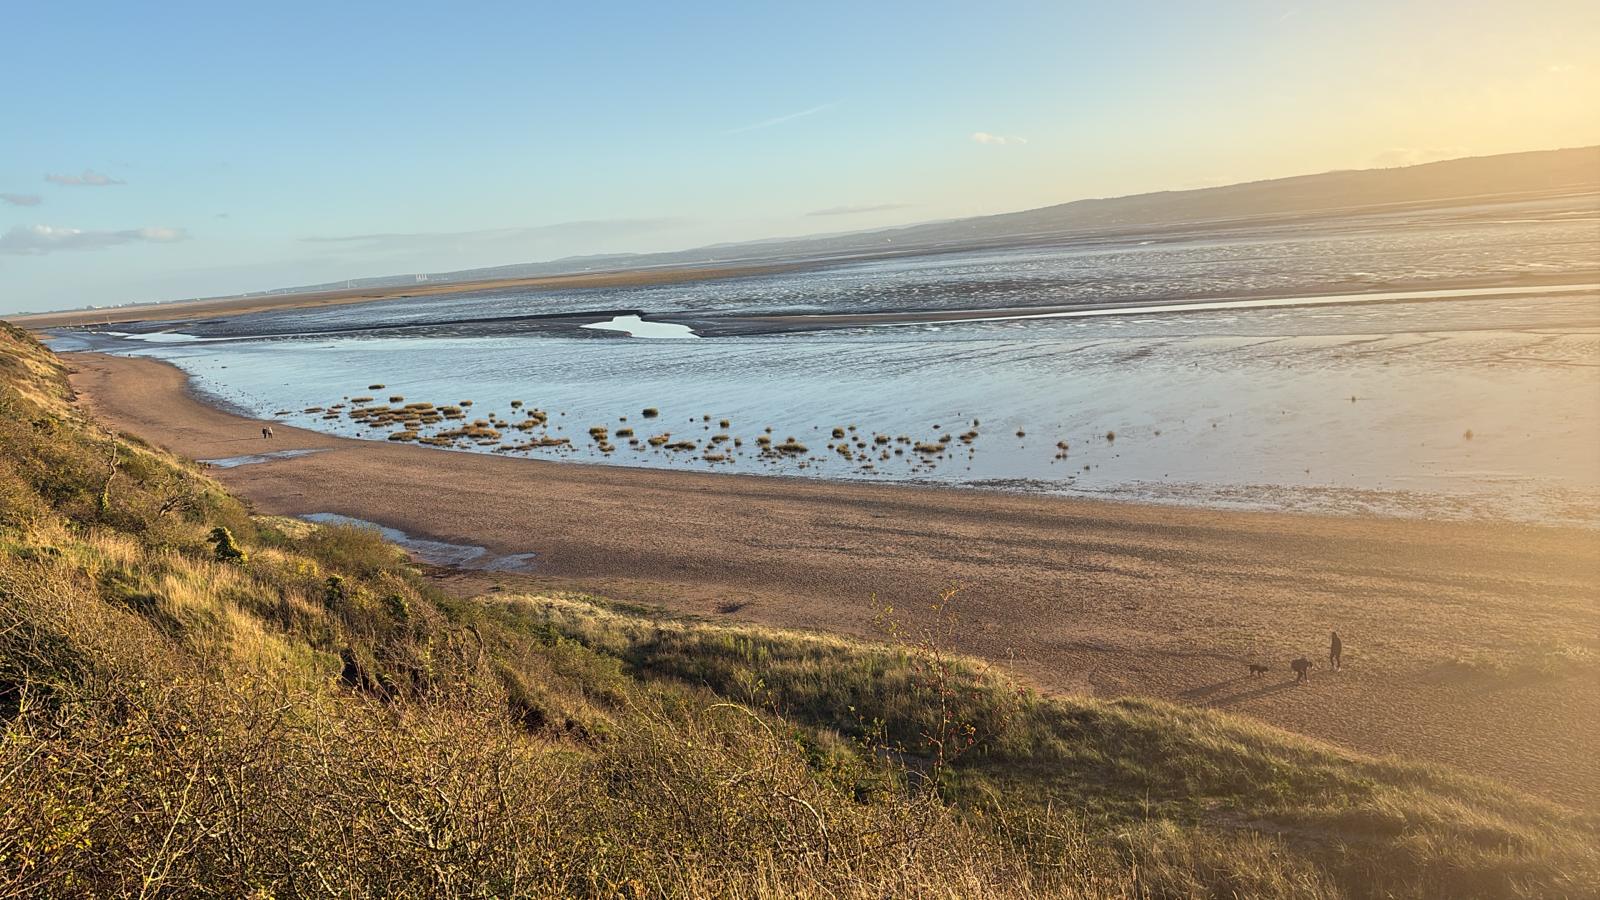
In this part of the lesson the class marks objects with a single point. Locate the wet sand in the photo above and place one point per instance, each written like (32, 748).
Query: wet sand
(1073, 595)
(184, 310)
(1431, 290)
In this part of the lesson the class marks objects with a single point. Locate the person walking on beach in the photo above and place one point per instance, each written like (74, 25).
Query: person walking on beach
(1335, 651)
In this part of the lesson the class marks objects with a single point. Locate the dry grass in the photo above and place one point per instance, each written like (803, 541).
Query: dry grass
(311, 717)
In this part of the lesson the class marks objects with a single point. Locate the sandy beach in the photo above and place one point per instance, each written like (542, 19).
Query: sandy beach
(1459, 637)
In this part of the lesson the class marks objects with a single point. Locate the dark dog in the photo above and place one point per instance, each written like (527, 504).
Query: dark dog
(1302, 668)
(1257, 670)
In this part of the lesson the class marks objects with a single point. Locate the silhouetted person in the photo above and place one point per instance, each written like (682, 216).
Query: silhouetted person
(1335, 651)
(1302, 669)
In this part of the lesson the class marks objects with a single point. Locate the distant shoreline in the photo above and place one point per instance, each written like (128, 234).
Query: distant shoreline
(181, 310)
(721, 325)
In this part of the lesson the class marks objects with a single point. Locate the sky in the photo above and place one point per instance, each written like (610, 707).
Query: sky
(170, 150)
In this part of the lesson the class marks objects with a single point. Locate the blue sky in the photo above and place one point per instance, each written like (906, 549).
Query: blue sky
(157, 151)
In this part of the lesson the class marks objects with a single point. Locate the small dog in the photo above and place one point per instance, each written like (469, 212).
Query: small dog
(1302, 669)
(1257, 670)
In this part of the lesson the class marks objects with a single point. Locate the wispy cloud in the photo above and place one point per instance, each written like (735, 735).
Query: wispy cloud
(37, 240)
(779, 120)
(89, 178)
(984, 137)
(22, 199)
(857, 210)
(584, 228)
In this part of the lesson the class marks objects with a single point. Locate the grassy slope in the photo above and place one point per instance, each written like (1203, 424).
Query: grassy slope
(313, 719)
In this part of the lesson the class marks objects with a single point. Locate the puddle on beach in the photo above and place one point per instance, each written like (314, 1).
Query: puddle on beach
(250, 459)
(438, 553)
(633, 326)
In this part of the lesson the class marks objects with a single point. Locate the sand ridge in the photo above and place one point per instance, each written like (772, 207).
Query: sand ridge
(181, 310)
(1074, 595)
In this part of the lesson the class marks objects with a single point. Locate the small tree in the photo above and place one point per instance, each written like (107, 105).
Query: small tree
(960, 714)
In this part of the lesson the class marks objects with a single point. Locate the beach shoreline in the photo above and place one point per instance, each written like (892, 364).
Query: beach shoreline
(1073, 595)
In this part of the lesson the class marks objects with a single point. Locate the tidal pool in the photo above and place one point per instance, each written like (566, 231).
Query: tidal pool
(634, 326)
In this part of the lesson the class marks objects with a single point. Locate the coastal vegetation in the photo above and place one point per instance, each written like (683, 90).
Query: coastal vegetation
(195, 700)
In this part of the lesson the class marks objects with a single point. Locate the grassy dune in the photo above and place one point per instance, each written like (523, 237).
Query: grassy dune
(196, 701)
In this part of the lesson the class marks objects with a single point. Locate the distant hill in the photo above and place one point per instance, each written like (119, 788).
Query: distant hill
(1453, 182)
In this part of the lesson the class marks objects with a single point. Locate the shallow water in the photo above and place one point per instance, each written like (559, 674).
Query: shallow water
(438, 553)
(1445, 403)
(634, 326)
(251, 459)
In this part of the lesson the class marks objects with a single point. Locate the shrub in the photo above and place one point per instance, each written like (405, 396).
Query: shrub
(225, 548)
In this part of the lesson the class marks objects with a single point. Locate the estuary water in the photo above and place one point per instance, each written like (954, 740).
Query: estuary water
(1445, 367)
